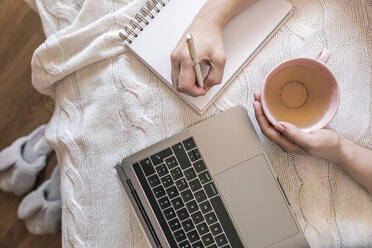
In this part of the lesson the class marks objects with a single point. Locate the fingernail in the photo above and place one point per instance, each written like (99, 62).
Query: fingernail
(279, 127)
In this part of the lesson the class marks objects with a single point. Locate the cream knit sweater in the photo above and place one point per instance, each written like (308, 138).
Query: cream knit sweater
(108, 105)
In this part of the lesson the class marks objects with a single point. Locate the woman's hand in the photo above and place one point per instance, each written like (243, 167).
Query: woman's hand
(210, 50)
(324, 143)
(206, 30)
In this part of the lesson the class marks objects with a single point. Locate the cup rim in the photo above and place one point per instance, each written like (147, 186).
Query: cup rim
(335, 91)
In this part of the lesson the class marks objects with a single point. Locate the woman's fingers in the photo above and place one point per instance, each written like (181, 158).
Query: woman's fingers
(274, 134)
(175, 63)
(209, 49)
(183, 74)
(257, 96)
(187, 82)
(216, 70)
(295, 134)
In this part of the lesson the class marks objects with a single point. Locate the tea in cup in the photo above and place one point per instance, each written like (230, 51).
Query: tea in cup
(301, 91)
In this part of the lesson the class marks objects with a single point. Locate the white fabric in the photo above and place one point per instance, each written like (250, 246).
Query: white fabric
(109, 105)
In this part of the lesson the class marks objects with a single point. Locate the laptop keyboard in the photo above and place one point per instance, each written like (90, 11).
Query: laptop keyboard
(185, 199)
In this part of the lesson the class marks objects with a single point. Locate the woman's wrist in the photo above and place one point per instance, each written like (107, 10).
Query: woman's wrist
(213, 17)
(220, 12)
(355, 161)
(346, 153)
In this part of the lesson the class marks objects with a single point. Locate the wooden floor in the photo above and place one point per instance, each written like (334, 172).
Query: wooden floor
(22, 109)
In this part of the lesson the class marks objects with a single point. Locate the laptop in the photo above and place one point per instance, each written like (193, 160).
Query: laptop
(211, 185)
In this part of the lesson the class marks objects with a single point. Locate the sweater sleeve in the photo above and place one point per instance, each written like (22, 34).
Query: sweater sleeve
(83, 43)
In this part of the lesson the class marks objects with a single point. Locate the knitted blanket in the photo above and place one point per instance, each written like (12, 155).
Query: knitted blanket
(108, 105)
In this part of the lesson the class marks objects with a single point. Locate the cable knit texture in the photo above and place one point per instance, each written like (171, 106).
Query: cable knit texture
(108, 105)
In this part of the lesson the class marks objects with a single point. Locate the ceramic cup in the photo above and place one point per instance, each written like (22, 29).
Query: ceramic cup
(301, 91)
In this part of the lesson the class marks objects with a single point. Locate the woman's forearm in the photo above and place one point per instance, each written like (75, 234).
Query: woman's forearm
(222, 11)
(356, 161)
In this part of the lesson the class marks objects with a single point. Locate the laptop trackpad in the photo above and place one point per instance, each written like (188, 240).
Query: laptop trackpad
(255, 203)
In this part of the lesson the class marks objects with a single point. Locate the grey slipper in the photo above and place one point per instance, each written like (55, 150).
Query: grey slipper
(42, 209)
(21, 162)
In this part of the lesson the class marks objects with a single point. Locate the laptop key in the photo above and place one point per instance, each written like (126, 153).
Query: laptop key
(171, 162)
(226, 246)
(147, 167)
(207, 239)
(225, 222)
(181, 156)
(186, 195)
(204, 177)
(164, 202)
(162, 170)
(221, 240)
(181, 184)
(176, 173)
(189, 143)
(180, 235)
(192, 206)
(195, 185)
(155, 207)
(174, 224)
(210, 218)
(184, 244)
(199, 166)
(172, 192)
(183, 214)
(202, 228)
(205, 207)
(211, 190)
(154, 180)
(196, 154)
(190, 174)
(193, 236)
(169, 213)
(198, 244)
(200, 196)
(197, 217)
(191, 156)
(216, 229)
(177, 203)
(167, 181)
(159, 191)
(188, 225)
(159, 157)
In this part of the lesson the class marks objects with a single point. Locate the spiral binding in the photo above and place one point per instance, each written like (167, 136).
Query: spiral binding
(140, 18)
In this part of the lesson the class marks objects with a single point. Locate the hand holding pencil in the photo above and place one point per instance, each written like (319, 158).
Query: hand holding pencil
(195, 61)
(206, 29)
(209, 50)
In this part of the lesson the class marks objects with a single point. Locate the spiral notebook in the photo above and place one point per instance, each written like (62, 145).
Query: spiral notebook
(156, 29)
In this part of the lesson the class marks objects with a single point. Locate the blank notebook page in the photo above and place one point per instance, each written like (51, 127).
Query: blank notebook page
(242, 37)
